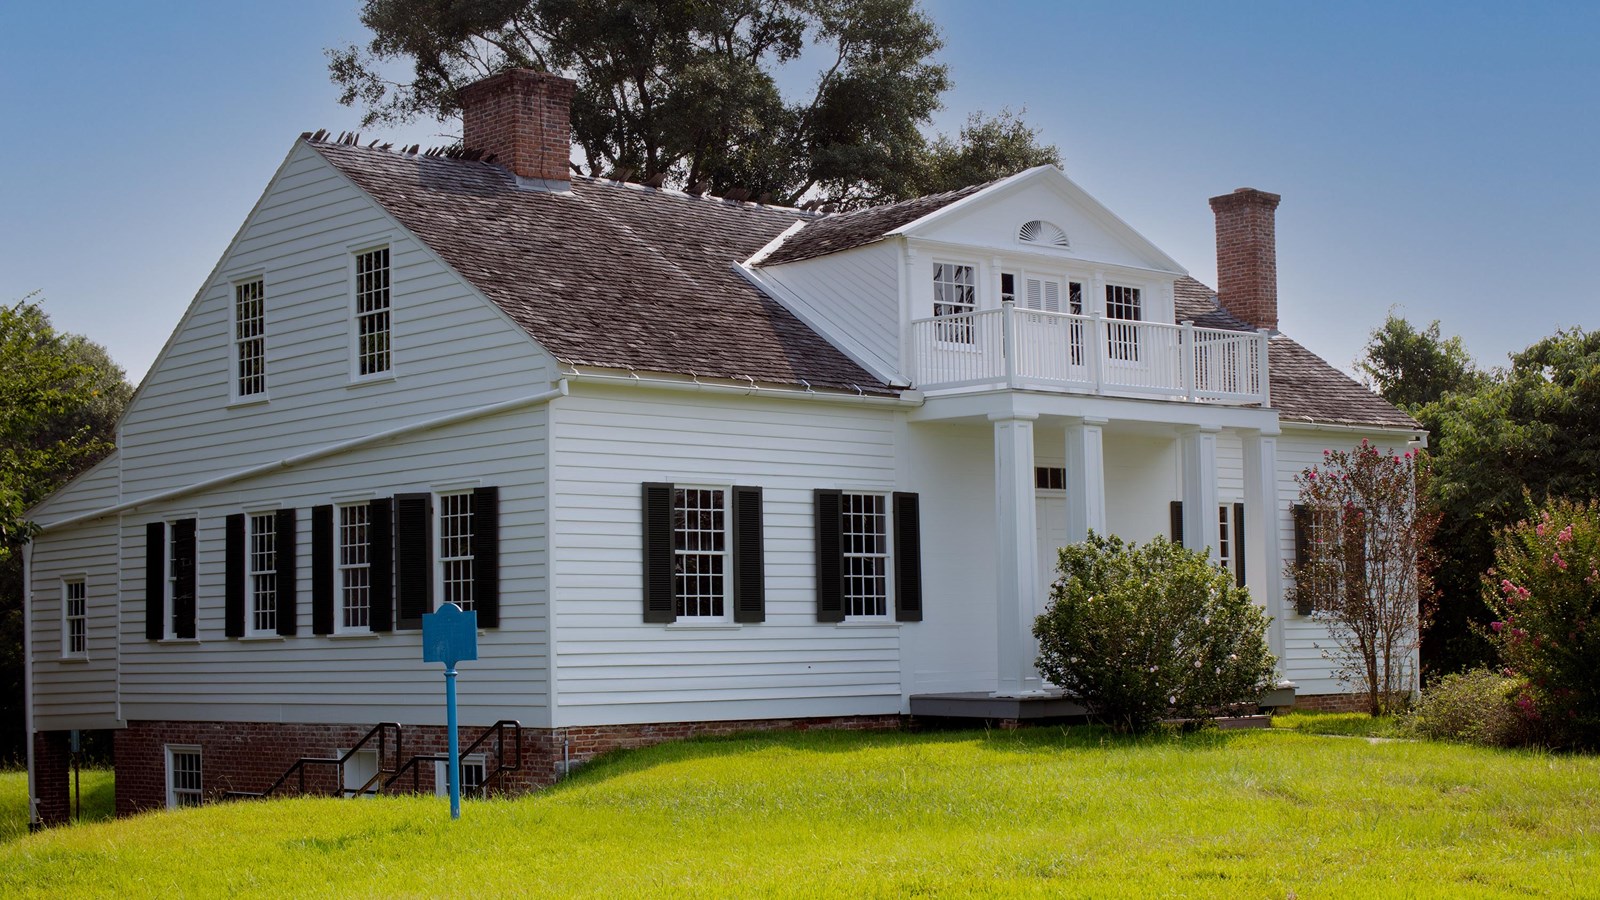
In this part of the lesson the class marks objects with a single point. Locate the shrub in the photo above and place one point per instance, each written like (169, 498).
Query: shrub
(1476, 707)
(1545, 593)
(1142, 633)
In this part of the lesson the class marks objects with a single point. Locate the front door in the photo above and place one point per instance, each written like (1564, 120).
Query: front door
(1052, 513)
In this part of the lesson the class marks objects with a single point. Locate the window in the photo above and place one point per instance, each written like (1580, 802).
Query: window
(1224, 538)
(1008, 287)
(262, 575)
(169, 580)
(183, 777)
(1050, 478)
(954, 294)
(474, 771)
(1075, 306)
(354, 568)
(699, 551)
(75, 620)
(372, 313)
(1122, 339)
(455, 549)
(865, 536)
(249, 339)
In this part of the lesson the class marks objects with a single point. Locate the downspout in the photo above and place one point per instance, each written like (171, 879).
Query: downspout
(34, 823)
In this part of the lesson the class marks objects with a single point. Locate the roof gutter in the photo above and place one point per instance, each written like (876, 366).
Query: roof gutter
(560, 390)
(1419, 435)
(907, 399)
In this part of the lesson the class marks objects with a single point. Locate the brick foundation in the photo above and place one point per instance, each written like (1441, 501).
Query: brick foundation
(52, 773)
(249, 756)
(1330, 703)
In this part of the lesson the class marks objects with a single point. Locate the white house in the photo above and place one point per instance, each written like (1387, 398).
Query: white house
(697, 464)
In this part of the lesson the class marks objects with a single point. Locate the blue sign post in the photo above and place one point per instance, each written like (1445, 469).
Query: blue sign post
(450, 636)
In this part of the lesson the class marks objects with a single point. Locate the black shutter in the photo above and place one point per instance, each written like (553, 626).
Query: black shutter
(322, 570)
(155, 580)
(1302, 553)
(749, 566)
(183, 580)
(830, 556)
(286, 543)
(486, 556)
(1175, 512)
(233, 576)
(380, 560)
(1238, 543)
(659, 604)
(413, 545)
(907, 558)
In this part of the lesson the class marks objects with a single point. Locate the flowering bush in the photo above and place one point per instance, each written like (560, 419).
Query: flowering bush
(1544, 592)
(1477, 707)
(1142, 633)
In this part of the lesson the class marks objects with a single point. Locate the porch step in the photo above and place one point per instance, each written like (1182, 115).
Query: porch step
(983, 705)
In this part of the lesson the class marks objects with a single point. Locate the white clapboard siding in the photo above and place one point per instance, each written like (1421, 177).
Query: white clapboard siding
(75, 692)
(312, 678)
(612, 667)
(451, 348)
(852, 298)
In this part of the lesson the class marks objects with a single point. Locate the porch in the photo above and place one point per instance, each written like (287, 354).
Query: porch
(1090, 354)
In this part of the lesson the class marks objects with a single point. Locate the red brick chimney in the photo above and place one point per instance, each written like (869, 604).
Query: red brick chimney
(524, 118)
(1247, 255)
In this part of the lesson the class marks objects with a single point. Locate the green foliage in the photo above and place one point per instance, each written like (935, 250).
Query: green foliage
(1412, 368)
(1037, 812)
(1143, 633)
(1342, 723)
(1474, 707)
(1366, 576)
(1545, 593)
(986, 149)
(688, 88)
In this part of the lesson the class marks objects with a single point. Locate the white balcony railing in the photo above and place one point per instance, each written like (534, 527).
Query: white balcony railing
(1090, 354)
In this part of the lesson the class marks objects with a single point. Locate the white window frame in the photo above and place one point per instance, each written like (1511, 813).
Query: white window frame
(237, 377)
(1123, 340)
(345, 573)
(68, 618)
(256, 579)
(173, 790)
(724, 597)
(1225, 537)
(851, 598)
(461, 563)
(357, 315)
(949, 334)
(441, 773)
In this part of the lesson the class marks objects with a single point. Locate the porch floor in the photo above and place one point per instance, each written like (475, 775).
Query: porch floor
(1037, 708)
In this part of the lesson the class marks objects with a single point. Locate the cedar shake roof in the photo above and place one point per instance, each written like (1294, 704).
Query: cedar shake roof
(860, 227)
(609, 275)
(1304, 387)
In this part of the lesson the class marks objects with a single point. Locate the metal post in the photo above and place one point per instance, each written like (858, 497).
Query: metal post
(455, 744)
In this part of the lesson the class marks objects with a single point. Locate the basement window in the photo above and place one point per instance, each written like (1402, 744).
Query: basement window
(183, 777)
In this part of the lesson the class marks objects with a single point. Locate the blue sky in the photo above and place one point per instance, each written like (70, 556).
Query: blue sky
(1438, 157)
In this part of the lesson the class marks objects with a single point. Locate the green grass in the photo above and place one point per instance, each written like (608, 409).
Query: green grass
(1348, 724)
(99, 800)
(1036, 812)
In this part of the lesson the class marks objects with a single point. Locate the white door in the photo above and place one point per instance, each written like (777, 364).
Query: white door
(1052, 512)
(358, 770)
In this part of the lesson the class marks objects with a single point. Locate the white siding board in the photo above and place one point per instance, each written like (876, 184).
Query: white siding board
(852, 298)
(77, 693)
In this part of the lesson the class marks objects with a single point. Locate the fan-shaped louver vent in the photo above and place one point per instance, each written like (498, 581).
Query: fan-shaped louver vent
(1041, 232)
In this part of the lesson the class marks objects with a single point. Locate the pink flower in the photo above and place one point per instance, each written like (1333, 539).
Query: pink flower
(1565, 537)
(1539, 529)
(1560, 563)
(1497, 626)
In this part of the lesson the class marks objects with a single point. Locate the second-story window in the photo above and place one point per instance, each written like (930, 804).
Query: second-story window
(249, 339)
(372, 312)
(1123, 306)
(75, 634)
(955, 295)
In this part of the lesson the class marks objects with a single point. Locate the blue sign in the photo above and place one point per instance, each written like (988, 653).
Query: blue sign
(449, 635)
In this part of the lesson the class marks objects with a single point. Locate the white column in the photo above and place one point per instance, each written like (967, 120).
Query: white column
(1199, 447)
(1086, 479)
(1016, 552)
(1263, 559)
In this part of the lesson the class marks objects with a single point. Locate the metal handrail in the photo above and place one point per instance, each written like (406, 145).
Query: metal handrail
(497, 730)
(378, 731)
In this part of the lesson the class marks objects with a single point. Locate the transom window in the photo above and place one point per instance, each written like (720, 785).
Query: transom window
(865, 539)
(184, 785)
(954, 294)
(73, 603)
(249, 338)
(1050, 478)
(700, 550)
(455, 549)
(1125, 305)
(355, 573)
(372, 312)
(263, 572)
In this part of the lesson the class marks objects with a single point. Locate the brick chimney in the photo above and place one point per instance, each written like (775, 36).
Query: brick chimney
(1247, 255)
(524, 118)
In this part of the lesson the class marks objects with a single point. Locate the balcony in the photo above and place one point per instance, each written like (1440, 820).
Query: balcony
(1031, 349)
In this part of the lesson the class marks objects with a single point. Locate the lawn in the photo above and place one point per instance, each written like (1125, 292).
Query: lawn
(99, 800)
(1035, 812)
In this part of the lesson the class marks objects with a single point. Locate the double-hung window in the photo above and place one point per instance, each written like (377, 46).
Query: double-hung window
(372, 308)
(249, 340)
(259, 581)
(699, 551)
(354, 565)
(864, 537)
(1124, 308)
(703, 554)
(455, 549)
(262, 573)
(955, 297)
(169, 580)
(184, 784)
(74, 617)
(869, 556)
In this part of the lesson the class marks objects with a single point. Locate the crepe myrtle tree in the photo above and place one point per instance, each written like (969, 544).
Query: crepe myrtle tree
(1361, 567)
(1139, 633)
